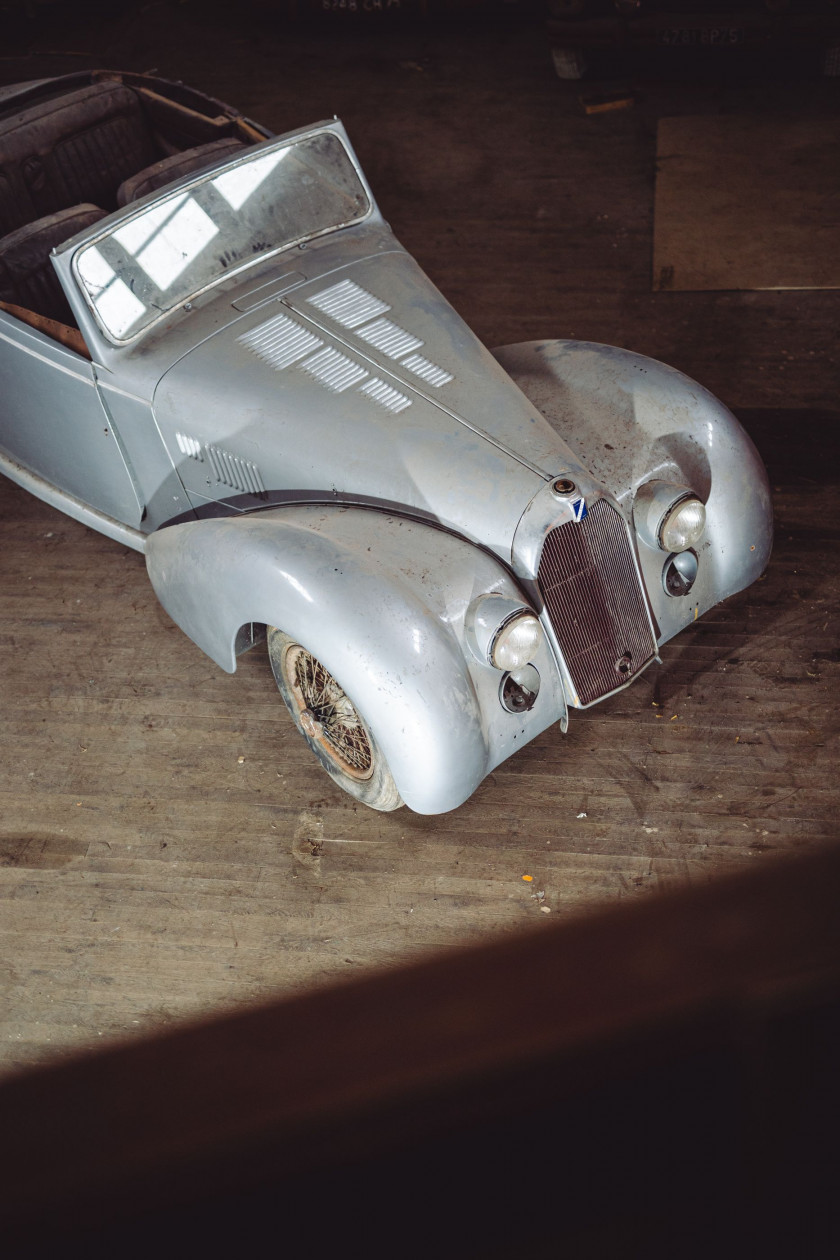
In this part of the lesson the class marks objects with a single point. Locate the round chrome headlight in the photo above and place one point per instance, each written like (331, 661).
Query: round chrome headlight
(516, 641)
(503, 632)
(668, 516)
(683, 526)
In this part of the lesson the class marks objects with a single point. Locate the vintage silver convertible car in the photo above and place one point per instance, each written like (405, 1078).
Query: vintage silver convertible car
(213, 350)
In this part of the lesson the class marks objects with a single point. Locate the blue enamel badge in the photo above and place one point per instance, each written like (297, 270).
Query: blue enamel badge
(579, 509)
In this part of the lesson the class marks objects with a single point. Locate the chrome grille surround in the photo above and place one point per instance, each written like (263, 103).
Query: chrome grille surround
(595, 603)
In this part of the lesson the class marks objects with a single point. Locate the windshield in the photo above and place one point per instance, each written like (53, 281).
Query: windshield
(218, 224)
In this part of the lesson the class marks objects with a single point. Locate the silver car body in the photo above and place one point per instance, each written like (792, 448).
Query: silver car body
(316, 441)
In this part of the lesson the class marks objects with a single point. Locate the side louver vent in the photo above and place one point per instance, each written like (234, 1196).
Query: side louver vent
(228, 469)
(232, 471)
(189, 446)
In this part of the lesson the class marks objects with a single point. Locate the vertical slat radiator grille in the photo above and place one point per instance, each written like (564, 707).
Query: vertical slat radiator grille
(595, 603)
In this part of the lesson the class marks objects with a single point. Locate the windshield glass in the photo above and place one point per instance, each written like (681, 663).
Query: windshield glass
(185, 242)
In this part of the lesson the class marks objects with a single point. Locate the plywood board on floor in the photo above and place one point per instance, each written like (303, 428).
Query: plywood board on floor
(747, 201)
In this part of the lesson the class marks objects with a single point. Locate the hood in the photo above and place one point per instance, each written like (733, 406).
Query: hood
(362, 384)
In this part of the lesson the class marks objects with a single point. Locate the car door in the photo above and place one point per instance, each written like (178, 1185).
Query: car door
(53, 423)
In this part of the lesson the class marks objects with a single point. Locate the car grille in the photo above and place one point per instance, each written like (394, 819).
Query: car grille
(593, 597)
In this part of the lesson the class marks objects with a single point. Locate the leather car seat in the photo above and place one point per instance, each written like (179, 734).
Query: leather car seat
(73, 149)
(27, 276)
(167, 170)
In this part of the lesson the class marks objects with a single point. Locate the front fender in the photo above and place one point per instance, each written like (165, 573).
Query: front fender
(632, 419)
(380, 600)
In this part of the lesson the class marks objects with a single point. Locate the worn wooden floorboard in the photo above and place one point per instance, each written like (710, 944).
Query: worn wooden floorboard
(727, 214)
(167, 846)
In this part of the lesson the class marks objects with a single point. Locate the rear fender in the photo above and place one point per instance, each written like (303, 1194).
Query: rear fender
(381, 602)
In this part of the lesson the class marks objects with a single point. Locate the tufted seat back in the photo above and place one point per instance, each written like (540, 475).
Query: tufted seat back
(175, 167)
(76, 148)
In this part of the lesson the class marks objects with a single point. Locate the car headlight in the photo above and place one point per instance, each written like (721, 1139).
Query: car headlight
(503, 633)
(679, 573)
(517, 642)
(668, 516)
(683, 526)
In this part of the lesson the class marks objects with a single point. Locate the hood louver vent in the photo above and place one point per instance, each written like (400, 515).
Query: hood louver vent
(385, 395)
(429, 371)
(389, 338)
(280, 341)
(334, 370)
(283, 342)
(353, 307)
(348, 304)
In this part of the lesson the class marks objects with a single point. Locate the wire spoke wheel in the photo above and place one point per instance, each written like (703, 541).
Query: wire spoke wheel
(326, 713)
(331, 724)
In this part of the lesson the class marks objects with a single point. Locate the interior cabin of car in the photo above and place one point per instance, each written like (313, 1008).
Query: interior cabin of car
(72, 158)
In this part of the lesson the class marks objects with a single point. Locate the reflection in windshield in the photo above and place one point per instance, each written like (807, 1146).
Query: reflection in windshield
(177, 244)
(134, 234)
(183, 243)
(117, 306)
(173, 234)
(236, 186)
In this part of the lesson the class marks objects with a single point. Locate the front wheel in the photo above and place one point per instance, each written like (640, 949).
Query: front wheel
(330, 723)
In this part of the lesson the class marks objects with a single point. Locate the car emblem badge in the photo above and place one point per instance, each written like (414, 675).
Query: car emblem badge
(579, 509)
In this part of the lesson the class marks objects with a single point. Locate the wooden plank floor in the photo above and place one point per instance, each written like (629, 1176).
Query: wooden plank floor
(167, 847)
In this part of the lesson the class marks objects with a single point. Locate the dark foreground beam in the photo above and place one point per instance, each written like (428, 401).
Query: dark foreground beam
(645, 1078)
